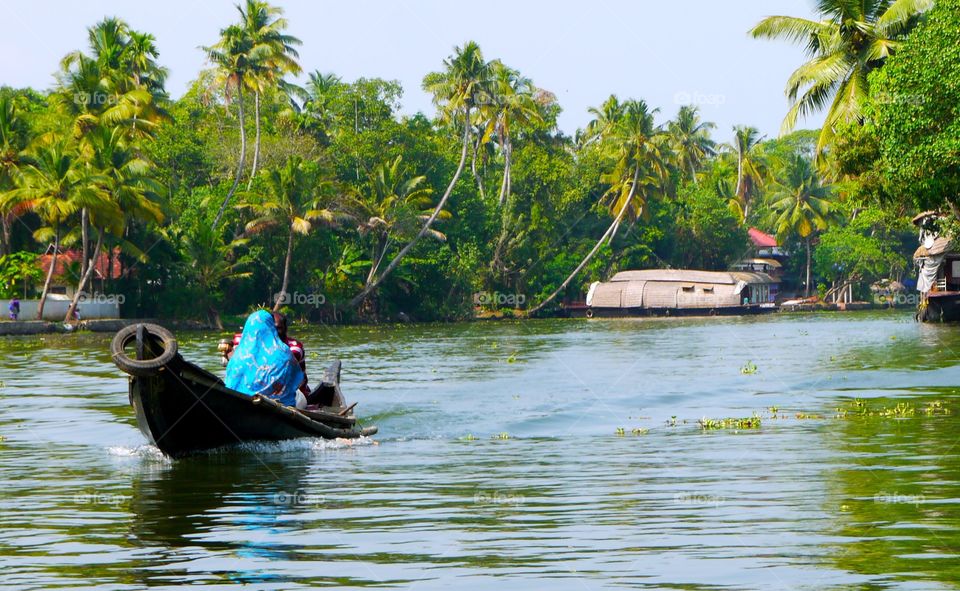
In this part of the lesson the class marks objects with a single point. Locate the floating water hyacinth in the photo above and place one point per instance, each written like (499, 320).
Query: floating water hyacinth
(730, 423)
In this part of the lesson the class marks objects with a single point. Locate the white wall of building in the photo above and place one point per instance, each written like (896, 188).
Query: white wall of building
(56, 308)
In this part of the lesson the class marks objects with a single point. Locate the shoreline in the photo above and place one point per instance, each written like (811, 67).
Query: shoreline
(111, 325)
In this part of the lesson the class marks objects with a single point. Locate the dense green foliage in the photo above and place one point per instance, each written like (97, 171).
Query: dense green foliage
(916, 112)
(249, 190)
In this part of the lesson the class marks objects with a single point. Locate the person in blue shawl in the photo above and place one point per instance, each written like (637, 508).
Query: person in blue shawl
(262, 363)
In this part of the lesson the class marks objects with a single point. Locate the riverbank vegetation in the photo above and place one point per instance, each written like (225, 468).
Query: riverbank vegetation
(273, 182)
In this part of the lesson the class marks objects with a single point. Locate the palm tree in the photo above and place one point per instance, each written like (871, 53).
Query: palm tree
(209, 261)
(800, 205)
(56, 183)
(292, 200)
(393, 210)
(514, 104)
(118, 86)
(604, 118)
(850, 40)
(457, 90)
(127, 180)
(231, 56)
(13, 137)
(272, 55)
(119, 83)
(690, 140)
(629, 132)
(317, 113)
(750, 169)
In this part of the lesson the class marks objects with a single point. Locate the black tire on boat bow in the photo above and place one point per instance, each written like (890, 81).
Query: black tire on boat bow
(139, 332)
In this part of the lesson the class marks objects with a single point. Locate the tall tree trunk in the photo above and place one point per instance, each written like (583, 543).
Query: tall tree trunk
(693, 174)
(426, 226)
(596, 247)
(379, 251)
(84, 240)
(505, 205)
(807, 288)
(213, 318)
(91, 265)
(256, 141)
(109, 275)
(473, 167)
(243, 153)
(5, 246)
(282, 296)
(496, 264)
(505, 185)
(53, 266)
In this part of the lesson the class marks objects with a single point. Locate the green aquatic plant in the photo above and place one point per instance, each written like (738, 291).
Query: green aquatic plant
(468, 437)
(730, 423)
(621, 432)
(501, 436)
(749, 369)
(640, 431)
(900, 410)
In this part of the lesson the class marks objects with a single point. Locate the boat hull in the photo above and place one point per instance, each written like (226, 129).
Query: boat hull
(182, 408)
(941, 307)
(595, 312)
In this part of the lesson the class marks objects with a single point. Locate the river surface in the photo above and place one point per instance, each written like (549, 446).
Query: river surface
(512, 455)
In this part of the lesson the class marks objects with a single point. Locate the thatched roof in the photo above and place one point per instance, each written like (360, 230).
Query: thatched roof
(940, 246)
(922, 216)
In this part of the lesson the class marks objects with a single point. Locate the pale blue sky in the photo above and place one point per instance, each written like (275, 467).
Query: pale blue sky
(664, 52)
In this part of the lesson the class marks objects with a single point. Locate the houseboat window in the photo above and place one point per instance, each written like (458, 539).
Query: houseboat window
(707, 290)
(688, 288)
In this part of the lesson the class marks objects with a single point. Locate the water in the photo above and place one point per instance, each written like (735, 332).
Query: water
(498, 464)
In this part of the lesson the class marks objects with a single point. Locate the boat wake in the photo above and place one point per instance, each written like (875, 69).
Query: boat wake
(307, 444)
(143, 452)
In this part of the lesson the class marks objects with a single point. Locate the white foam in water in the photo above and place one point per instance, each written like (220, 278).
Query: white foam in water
(150, 452)
(145, 451)
(304, 444)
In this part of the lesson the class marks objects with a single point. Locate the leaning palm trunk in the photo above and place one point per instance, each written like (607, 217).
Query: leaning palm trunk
(426, 226)
(53, 265)
(84, 279)
(282, 296)
(256, 141)
(596, 248)
(84, 240)
(243, 153)
(807, 286)
(380, 250)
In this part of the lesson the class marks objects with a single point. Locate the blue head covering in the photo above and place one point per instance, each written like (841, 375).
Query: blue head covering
(262, 363)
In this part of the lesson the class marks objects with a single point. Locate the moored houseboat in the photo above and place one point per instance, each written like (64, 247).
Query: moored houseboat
(667, 292)
(938, 277)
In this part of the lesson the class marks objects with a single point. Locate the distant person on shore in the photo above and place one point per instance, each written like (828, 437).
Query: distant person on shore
(261, 363)
(14, 308)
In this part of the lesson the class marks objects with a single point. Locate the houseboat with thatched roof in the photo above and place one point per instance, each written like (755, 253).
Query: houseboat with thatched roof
(667, 292)
(938, 277)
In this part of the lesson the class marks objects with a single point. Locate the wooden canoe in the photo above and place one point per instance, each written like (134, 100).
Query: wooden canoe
(182, 408)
